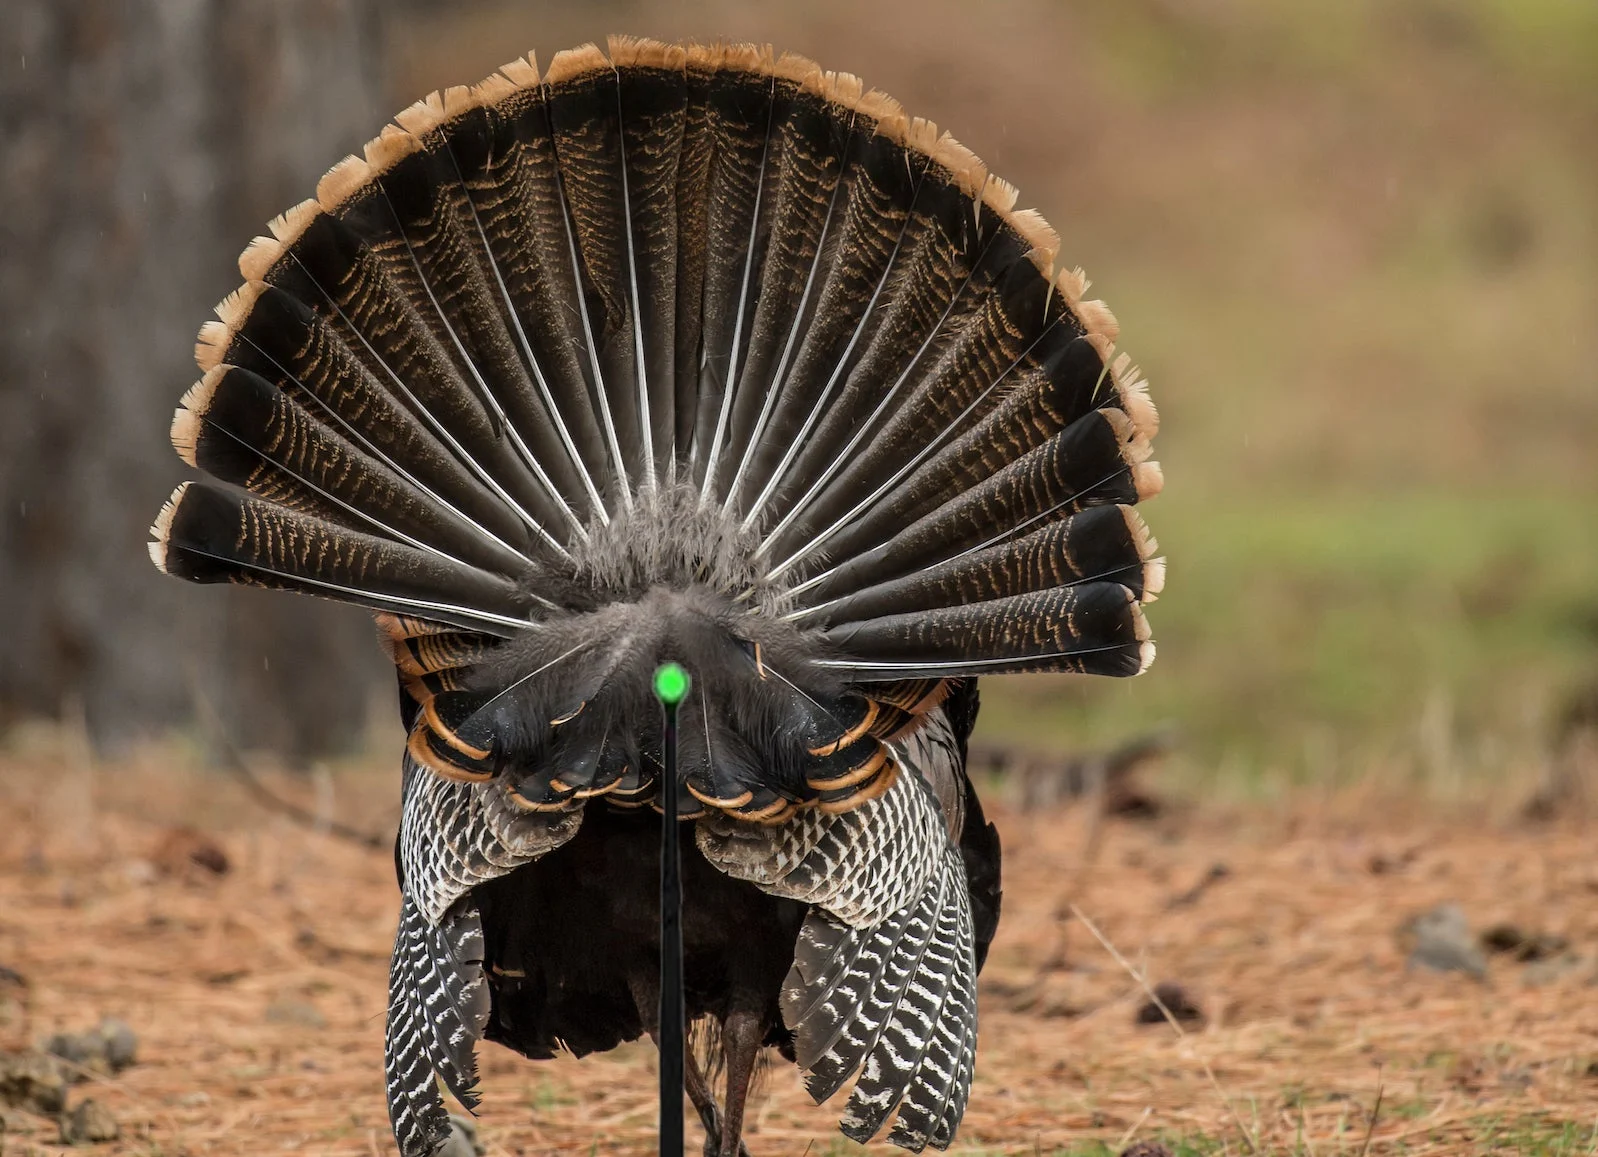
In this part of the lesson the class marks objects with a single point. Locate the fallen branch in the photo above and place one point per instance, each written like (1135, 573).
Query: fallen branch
(233, 759)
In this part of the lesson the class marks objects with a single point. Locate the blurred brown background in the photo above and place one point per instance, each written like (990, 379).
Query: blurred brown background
(1354, 245)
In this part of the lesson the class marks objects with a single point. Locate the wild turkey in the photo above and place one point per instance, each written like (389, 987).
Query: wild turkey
(695, 353)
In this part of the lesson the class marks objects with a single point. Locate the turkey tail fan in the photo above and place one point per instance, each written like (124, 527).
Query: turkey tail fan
(534, 302)
(679, 351)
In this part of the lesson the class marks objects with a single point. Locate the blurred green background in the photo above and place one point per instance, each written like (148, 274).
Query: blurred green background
(1354, 246)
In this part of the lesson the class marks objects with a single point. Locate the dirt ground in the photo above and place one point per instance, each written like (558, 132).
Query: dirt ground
(258, 995)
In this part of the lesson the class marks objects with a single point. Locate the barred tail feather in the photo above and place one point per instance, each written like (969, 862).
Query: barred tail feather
(207, 534)
(867, 997)
(894, 1004)
(883, 983)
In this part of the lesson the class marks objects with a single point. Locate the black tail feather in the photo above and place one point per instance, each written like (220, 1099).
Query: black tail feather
(1094, 462)
(652, 99)
(1099, 544)
(207, 534)
(1095, 628)
(739, 121)
(240, 428)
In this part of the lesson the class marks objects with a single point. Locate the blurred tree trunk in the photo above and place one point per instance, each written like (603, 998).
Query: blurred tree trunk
(144, 142)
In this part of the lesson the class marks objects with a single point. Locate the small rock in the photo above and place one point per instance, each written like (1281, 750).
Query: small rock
(462, 1140)
(295, 1012)
(1503, 937)
(1176, 999)
(120, 1044)
(78, 1049)
(1146, 1149)
(32, 1081)
(91, 1122)
(1441, 942)
(110, 1047)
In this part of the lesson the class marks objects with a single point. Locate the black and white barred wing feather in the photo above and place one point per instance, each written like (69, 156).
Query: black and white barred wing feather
(883, 984)
(695, 352)
(438, 1007)
(453, 836)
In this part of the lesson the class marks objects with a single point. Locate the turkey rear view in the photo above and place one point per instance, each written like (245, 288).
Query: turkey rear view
(701, 354)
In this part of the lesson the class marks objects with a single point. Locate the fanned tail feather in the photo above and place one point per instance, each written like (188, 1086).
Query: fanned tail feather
(880, 188)
(207, 534)
(740, 118)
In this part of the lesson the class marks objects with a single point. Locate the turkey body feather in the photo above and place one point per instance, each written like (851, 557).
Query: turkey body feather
(693, 353)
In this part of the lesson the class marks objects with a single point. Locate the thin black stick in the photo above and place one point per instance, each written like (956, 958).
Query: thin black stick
(672, 1023)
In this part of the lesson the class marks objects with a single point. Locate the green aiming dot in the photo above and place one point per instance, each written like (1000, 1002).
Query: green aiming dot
(671, 684)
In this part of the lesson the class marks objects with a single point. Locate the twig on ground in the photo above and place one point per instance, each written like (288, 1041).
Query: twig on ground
(1216, 873)
(1148, 990)
(1126, 1138)
(234, 759)
(1376, 1112)
(95, 1077)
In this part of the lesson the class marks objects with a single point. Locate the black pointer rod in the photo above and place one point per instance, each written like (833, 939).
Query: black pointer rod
(671, 688)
